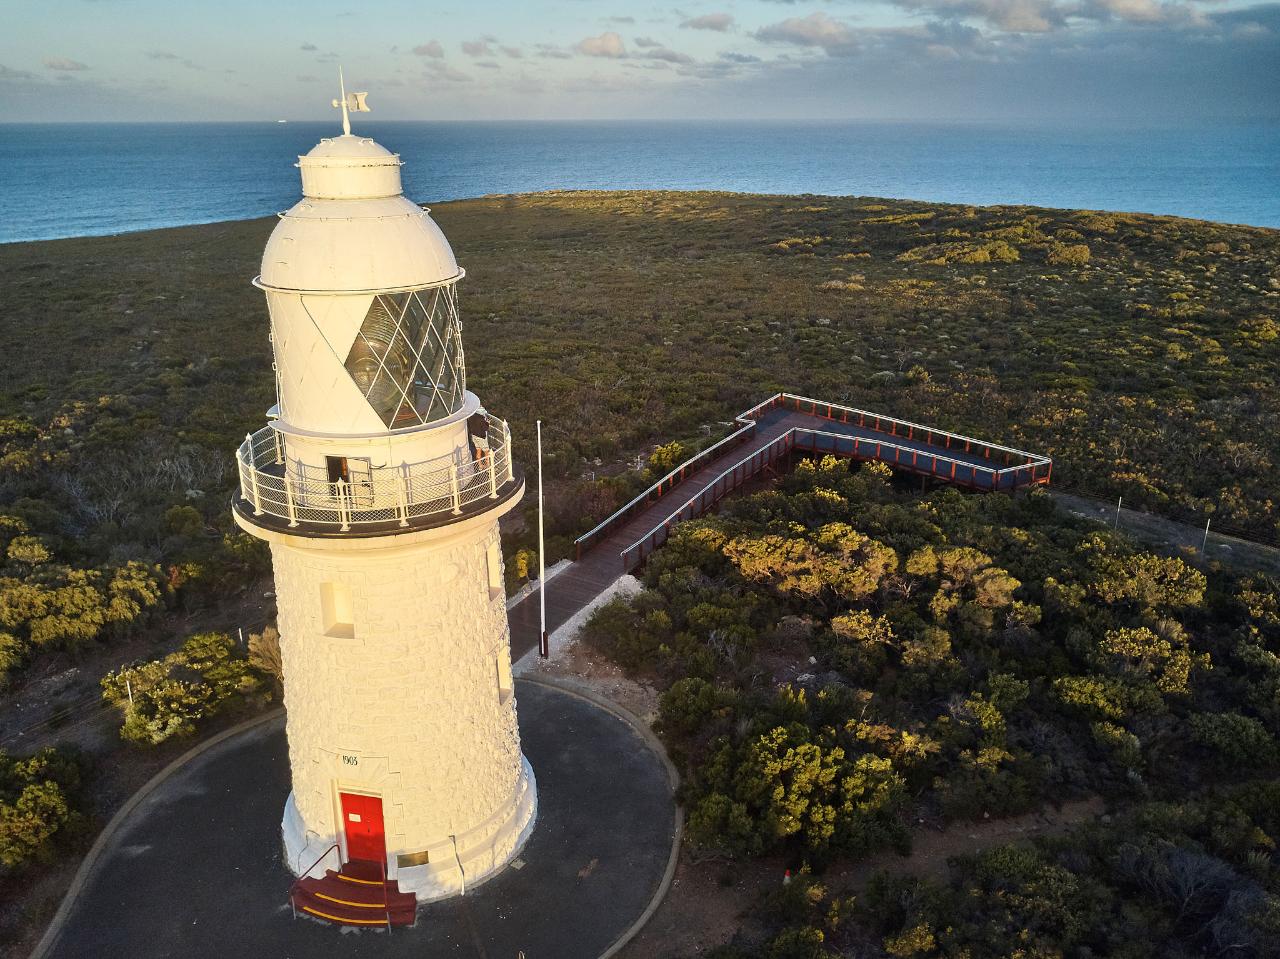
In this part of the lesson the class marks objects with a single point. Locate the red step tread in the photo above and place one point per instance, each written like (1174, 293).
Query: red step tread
(353, 894)
(356, 895)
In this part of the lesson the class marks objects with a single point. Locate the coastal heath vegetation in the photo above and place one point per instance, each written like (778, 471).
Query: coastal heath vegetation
(840, 657)
(1139, 351)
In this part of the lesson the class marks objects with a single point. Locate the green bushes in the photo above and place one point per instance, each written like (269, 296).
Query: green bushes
(837, 656)
(1068, 254)
(45, 605)
(1164, 880)
(168, 698)
(1234, 741)
(40, 799)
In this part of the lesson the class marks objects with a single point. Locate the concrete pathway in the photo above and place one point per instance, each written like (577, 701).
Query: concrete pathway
(195, 871)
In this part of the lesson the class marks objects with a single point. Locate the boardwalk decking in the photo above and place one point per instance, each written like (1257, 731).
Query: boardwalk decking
(779, 425)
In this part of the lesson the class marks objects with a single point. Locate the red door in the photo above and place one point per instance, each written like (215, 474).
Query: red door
(362, 821)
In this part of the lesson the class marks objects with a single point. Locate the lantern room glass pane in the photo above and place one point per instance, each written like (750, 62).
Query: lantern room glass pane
(407, 357)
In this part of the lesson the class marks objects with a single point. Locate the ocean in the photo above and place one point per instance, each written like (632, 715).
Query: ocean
(60, 180)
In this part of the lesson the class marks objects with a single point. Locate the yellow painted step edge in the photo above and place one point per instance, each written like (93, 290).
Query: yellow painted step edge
(363, 882)
(356, 905)
(362, 922)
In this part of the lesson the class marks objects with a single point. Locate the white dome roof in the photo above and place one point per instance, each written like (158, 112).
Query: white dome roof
(349, 168)
(354, 231)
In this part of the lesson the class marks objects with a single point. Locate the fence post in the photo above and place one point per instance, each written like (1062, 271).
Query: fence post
(253, 476)
(506, 445)
(402, 493)
(493, 475)
(257, 496)
(279, 448)
(455, 490)
(344, 507)
(288, 499)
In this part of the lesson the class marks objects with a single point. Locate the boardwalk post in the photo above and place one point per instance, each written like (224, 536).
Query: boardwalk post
(1205, 544)
(1116, 524)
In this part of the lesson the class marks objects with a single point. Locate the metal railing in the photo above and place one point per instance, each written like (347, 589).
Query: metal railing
(293, 887)
(893, 426)
(273, 485)
(949, 468)
(728, 481)
(960, 472)
(663, 486)
(1015, 467)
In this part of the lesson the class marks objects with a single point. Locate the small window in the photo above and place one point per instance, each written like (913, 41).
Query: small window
(506, 686)
(497, 588)
(337, 613)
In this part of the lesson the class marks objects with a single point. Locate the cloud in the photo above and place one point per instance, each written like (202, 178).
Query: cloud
(719, 22)
(64, 63)
(548, 51)
(169, 55)
(643, 42)
(1015, 16)
(308, 48)
(668, 56)
(815, 30)
(514, 53)
(431, 48)
(477, 48)
(8, 73)
(608, 44)
(1043, 16)
(621, 20)
(442, 72)
(732, 57)
(307, 78)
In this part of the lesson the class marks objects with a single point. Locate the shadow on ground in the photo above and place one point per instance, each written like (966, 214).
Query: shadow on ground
(197, 870)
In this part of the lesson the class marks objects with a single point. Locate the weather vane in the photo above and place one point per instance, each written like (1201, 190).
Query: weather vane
(349, 102)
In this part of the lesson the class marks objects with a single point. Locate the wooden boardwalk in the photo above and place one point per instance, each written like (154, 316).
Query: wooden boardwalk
(775, 427)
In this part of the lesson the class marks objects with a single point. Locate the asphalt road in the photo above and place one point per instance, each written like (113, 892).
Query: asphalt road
(197, 873)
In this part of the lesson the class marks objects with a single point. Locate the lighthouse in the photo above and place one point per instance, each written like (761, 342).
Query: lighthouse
(378, 482)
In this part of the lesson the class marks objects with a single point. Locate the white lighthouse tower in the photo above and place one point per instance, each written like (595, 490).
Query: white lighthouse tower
(378, 482)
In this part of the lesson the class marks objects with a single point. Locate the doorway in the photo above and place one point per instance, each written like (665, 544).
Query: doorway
(362, 823)
(356, 472)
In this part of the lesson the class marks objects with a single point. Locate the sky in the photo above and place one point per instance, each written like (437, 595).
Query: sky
(1129, 61)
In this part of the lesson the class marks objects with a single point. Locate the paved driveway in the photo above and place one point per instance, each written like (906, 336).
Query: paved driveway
(196, 873)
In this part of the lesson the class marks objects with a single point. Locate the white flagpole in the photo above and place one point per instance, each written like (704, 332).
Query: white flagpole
(543, 649)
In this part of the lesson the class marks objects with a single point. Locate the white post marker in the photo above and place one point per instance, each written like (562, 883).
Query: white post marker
(1116, 525)
(543, 649)
(1205, 545)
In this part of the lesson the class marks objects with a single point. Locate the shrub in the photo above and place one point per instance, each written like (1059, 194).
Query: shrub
(38, 804)
(1233, 739)
(168, 698)
(1064, 254)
